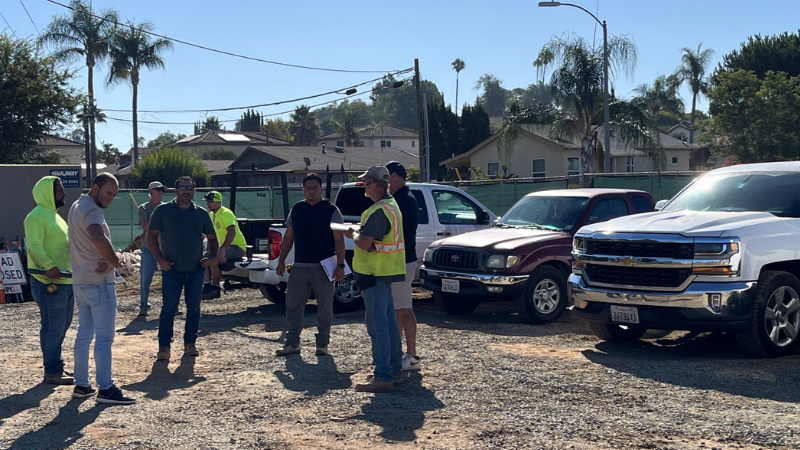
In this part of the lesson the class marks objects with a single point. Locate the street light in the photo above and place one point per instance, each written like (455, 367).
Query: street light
(607, 141)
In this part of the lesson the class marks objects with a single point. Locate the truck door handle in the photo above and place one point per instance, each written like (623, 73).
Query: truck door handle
(443, 233)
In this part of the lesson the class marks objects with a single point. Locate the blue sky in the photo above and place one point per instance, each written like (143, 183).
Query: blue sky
(501, 37)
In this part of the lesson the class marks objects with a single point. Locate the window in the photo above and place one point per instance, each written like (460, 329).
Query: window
(423, 207)
(454, 208)
(573, 166)
(413, 144)
(386, 143)
(629, 166)
(537, 168)
(492, 169)
(340, 143)
(674, 161)
(608, 209)
(641, 204)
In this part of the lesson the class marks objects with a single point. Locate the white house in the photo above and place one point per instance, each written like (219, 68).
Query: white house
(380, 136)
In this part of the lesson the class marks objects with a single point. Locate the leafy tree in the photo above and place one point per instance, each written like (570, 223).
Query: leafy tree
(251, 121)
(413, 174)
(531, 95)
(211, 123)
(577, 88)
(164, 139)
(458, 66)
(218, 153)
(662, 95)
(278, 128)
(132, 49)
(693, 72)
(397, 106)
(759, 54)
(755, 120)
(109, 155)
(494, 96)
(35, 99)
(82, 34)
(304, 128)
(169, 164)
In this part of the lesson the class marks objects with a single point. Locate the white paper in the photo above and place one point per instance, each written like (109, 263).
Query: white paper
(343, 226)
(329, 265)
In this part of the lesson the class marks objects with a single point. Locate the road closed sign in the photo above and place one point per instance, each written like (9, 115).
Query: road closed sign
(11, 270)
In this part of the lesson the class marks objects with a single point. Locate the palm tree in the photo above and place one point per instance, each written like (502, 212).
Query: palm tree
(577, 88)
(304, 126)
(662, 95)
(131, 50)
(458, 66)
(693, 71)
(82, 34)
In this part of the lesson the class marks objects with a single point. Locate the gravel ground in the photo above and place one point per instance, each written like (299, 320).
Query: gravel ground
(488, 381)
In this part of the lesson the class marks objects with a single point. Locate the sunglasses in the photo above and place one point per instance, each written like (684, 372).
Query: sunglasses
(185, 188)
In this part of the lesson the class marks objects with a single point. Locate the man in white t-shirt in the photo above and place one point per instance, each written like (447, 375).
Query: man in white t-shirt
(93, 261)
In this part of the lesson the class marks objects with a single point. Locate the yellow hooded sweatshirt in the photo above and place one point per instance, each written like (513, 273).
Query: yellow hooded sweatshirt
(46, 233)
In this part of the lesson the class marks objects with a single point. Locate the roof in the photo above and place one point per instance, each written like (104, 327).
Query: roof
(783, 166)
(50, 139)
(584, 192)
(225, 137)
(142, 151)
(352, 158)
(378, 132)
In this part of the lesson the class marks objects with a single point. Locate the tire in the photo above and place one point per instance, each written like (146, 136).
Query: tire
(455, 304)
(775, 320)
(347, 296)
(275, 294)
(620, 334)
(545, 296)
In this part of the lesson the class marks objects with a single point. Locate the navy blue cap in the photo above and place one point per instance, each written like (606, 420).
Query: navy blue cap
(396, 167)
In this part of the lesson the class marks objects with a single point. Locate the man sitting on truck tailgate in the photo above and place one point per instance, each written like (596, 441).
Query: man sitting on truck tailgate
(309, 226)
(231, 242)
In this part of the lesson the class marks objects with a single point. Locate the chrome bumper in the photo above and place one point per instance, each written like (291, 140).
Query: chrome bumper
(494, 279)
(695, 297)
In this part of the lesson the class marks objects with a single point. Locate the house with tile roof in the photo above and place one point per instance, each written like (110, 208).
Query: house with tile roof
(231, 140)
(379, 136)
(71, 152)
(536, 155)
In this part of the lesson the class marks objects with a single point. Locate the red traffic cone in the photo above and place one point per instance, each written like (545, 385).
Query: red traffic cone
(2, 292)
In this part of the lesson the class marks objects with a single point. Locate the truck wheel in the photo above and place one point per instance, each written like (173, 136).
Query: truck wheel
(455, 304)
(545, 296)
(775, 320)
(616, 333)
(347, 296)
(275, 294)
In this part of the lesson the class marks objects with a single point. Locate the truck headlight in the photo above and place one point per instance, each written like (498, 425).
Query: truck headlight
(716, 257)
(502, 261)
(428, 256)
(579, 244)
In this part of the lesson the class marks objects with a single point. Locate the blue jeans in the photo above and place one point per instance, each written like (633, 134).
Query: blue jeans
(146, 272)
(97, 317)
(172, 284)
(382, 328)
(56, 310)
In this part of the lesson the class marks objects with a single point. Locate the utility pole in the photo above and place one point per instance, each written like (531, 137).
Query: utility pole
(422, 150)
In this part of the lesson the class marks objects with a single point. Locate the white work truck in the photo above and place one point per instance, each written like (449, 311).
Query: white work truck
(443, 211)
(722, 255)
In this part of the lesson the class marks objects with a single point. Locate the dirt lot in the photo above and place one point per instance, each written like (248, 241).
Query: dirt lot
(488, 381)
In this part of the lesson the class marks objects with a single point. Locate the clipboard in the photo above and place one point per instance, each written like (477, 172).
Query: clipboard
(329, 266)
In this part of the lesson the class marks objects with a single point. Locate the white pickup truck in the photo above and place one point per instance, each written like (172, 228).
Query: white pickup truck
(722, 255)
(443, 211)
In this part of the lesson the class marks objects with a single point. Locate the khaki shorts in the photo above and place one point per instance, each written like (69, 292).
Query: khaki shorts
(401, 290)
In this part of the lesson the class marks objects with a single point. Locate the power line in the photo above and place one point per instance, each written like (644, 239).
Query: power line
(251, 58)
(263, 105)
(8, 24)
(29, 17)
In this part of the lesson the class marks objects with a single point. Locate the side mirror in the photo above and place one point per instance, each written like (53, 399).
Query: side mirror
(484, 217)
(660, 204)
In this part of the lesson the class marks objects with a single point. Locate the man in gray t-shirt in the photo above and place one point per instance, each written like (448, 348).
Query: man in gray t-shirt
(93, 261)
(149, 265)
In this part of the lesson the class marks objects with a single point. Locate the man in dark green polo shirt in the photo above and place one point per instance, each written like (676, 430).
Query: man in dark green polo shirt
(181, 224)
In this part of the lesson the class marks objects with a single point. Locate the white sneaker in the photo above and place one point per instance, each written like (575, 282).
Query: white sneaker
(410, 362)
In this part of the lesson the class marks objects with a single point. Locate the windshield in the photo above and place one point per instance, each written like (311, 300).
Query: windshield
(559, 213)
(774, 192)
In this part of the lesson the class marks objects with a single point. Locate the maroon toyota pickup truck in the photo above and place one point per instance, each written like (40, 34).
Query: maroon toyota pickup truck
(526, 255)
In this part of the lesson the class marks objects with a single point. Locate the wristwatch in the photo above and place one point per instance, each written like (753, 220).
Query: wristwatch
(341, 266)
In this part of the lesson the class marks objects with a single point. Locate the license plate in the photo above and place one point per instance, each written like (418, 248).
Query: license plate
(450, 286)
(624, 314)
(239, 272)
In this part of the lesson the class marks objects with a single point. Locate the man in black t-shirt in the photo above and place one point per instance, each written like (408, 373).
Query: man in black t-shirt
(309, 227)
(401, 291)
